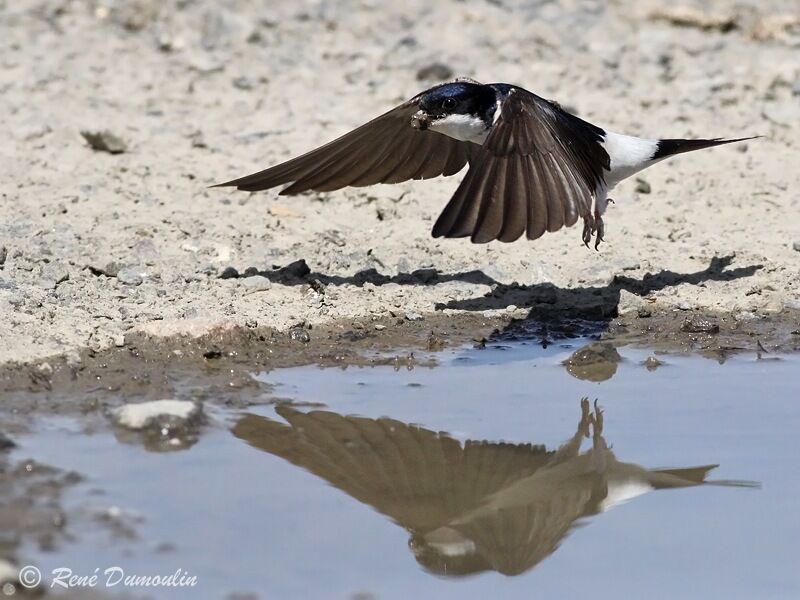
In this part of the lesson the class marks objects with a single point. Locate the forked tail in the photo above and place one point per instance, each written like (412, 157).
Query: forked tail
(670, 147)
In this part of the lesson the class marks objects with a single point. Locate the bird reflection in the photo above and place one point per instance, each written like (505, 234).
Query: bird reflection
(468, 507)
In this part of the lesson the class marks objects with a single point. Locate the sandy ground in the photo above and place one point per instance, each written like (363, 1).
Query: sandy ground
(94, 244)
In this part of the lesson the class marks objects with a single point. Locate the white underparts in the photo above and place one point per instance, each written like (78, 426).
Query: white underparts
(467, 128)
(622, 491)
(628, 155)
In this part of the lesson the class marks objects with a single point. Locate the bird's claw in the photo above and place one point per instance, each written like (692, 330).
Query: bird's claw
(593, 227)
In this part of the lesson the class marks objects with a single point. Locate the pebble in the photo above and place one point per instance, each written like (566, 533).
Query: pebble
(698, 324)
(255, 283)
(6, 443)
(143, 415)
(146, 251)
(52, 274)
(652, 363)
(130, 276)
(435, 72)
(299, 334)
(229, 273)
(3, 255)
(595, 362)
(642, 186)
(683, 305)
(379, 327)
(8, 575)
(104, 141)
(413, 316)
(795, 246)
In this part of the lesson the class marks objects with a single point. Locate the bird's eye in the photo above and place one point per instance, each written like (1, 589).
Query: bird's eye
(449, 103)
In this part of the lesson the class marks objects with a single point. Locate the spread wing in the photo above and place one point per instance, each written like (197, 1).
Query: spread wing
(419, 478)
(537, 171)
(385, 150)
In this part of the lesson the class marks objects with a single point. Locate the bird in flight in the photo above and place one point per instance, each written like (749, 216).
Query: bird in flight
(533, 166)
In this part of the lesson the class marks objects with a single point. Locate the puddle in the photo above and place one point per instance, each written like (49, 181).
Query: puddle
(486, 476)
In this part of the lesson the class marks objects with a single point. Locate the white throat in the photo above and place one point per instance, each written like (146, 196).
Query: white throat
(467, 128)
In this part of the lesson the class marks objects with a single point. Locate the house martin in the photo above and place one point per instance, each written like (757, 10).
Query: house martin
(533, 166)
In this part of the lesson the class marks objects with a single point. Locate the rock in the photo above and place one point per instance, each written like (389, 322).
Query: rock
(8, 575)
(32, 130)
(6, 443)
(652, 363)
(52, 274)
(130, 276)
(379, 327)
(795, 246)
(146, 414)
(110, 269)
(163, 424)
(699, 324)
(594, 362)
(243, 83)
(642, 186)
(299, 334)
(194, 328)
(413, 316)
(256, 283)
(104, 141)
(3, 255)
(435, 72)
(683, 305)
(229, 273)
(297, 269)
(146, 251)
(629, 302)
(687, 16)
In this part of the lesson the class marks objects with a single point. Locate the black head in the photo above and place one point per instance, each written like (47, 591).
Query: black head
(460, 97)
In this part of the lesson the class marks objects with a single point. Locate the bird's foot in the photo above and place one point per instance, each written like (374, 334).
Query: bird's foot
(600, 231)
(598, 419)
(593, 226)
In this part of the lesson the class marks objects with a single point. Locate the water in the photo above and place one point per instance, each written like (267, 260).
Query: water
(303, 501)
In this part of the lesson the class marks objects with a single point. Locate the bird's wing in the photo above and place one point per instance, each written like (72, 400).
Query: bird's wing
(385, 150)
(420, 478)
(536, 172)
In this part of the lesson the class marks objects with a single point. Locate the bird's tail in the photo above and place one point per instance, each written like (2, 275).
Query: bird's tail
(670, 147)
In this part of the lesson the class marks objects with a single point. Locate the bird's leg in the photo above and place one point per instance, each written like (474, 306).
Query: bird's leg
(598, 218)
(588, 229)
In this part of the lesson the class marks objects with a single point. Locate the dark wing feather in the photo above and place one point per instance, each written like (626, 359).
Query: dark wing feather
(537, 171)
(419, 478)
(385, 150)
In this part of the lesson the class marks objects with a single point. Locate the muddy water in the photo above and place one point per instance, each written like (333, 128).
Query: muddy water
(486, 476)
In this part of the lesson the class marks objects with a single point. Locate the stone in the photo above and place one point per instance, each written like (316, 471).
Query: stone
(596, 361)
(699, 324)
(299, 334)
(255, 283)
(130, 276)
(229, 273)
(3, 255)
(642, 186)
(104, 141)
(435, 72)
(163, 425)
(144, 414)
(413, 316)
(6, 443)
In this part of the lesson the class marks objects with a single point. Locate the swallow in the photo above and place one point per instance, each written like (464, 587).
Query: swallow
(533, 166)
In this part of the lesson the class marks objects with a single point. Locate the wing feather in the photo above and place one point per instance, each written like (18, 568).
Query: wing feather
(385, 150)
(537, 171)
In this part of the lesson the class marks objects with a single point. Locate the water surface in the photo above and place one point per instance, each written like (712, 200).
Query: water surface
(486, 476)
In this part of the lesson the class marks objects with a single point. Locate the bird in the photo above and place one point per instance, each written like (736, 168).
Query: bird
(534, 167)
(469, 506)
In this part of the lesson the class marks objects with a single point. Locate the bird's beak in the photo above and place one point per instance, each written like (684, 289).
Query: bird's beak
(420, 120)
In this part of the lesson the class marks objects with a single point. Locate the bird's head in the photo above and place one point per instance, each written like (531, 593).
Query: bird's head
(462, 110)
